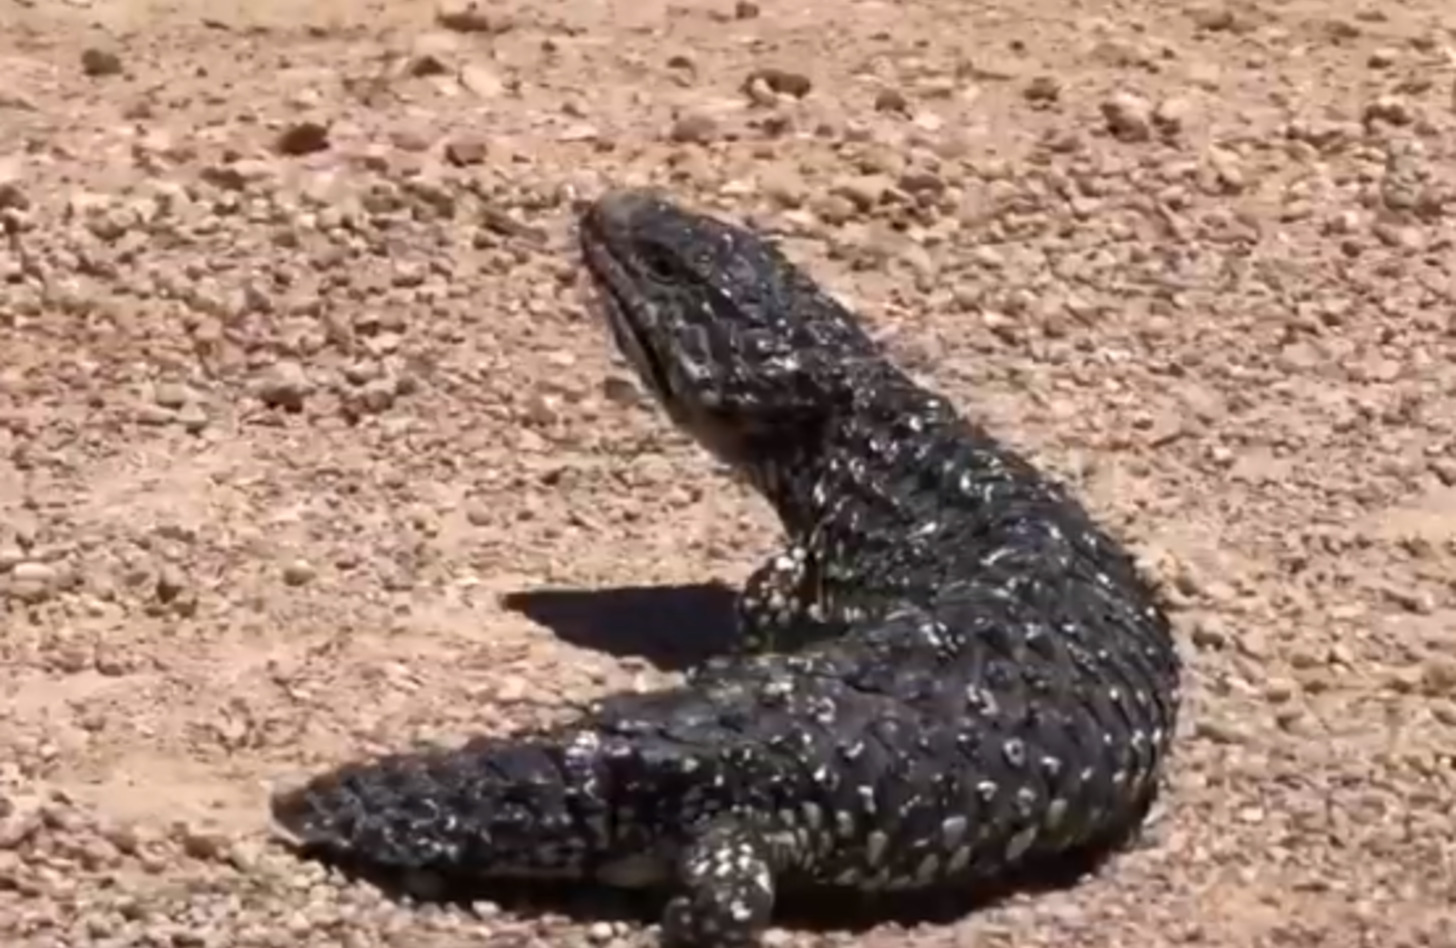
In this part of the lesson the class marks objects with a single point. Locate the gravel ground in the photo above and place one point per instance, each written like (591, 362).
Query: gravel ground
(300, 411)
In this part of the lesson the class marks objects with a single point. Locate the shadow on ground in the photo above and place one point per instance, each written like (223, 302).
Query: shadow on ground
(820, 911)
(673, 627)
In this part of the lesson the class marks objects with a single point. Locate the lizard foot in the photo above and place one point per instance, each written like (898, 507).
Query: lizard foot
(729, 892)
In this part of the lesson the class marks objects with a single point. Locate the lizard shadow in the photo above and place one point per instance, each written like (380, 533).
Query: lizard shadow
(672, 627)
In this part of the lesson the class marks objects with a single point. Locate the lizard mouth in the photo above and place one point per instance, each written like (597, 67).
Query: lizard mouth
(631, 341)
(613, 298)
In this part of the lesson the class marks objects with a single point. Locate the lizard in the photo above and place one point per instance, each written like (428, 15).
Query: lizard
(949, 668)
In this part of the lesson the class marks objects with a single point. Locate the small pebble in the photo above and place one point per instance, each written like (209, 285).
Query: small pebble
(891, 100)
(781, 81)
(284, 385)
(1043, 90)
(462, 152)
(470, 16)
(298, 573)
(1129, 117)
(303, 138)
(98, 63)
(695, 127)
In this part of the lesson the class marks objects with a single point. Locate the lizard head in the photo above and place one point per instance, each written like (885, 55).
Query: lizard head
(741, 348)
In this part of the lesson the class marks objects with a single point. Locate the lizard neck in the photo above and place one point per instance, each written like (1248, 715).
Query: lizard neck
(872, 451)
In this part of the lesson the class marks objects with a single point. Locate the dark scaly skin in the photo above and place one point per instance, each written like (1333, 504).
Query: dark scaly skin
(950, 670)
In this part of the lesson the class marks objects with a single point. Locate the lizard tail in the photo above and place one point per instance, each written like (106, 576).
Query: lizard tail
(489, 804)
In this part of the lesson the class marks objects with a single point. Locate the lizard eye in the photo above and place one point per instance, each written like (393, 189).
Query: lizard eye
(660, 263)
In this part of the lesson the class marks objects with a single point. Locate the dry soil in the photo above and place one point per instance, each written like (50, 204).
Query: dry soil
(299, 404)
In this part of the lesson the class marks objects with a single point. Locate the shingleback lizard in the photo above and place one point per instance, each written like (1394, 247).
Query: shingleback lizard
(948, 670)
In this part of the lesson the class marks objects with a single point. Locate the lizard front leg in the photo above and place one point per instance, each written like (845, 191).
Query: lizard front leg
(727, 898)
(780, 608)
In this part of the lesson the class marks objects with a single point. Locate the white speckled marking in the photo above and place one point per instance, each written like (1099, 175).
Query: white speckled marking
(875, 848)
(953, 830)
(1020, 843)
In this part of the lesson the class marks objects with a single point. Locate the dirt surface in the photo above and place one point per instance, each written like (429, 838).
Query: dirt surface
(297, 389)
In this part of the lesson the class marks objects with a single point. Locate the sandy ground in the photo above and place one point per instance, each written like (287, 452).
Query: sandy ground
(308, 448)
